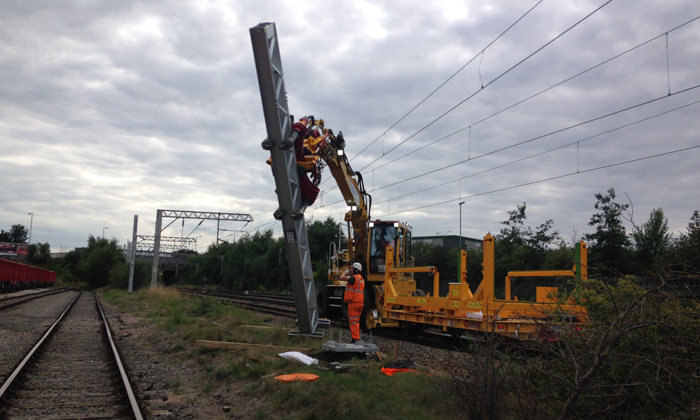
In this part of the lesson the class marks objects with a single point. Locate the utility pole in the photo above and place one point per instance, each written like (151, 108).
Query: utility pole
(460, 225)
(31, 222)
(133, 255)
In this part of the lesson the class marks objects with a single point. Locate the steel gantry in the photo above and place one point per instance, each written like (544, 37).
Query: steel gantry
(144, 243)
(185, 214)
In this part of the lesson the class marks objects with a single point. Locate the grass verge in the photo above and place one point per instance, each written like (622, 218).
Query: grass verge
(358, 391)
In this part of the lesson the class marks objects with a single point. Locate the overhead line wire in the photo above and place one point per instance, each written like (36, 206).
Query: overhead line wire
(539, 137)
(542, 153)
(446, 81)
(486, 85)
(528, 157)
(511, 106)
(551, 178)
(537, 94)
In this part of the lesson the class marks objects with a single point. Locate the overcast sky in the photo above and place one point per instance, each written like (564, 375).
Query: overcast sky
(111, 109)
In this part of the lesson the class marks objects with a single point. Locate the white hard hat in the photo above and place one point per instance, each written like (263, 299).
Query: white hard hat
(357, 266)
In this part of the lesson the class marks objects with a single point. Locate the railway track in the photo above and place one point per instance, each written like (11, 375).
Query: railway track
(73, 372)
(10, 302)
(283, 305)
(269, 303)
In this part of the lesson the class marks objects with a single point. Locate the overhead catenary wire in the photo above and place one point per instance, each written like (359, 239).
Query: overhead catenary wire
(525, 184)
(480, 53)
(530, 156)
(577, 172)
(665, 34)
(470, 126)
(486, 85)
(529, 140)
(576, 142)
(538, 137)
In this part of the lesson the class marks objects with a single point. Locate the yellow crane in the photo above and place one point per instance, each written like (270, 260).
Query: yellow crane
(300, 150)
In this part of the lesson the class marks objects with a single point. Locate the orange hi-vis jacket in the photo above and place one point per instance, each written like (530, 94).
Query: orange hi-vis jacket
(355, 293)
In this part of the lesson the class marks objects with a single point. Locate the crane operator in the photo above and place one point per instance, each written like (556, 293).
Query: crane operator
(354, 297)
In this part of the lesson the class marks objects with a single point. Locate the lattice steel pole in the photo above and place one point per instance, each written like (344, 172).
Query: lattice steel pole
(268, 64)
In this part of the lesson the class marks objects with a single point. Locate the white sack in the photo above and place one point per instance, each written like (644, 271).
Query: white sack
(299, 357)
(475, 315)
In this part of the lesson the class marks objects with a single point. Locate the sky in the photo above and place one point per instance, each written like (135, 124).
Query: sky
(115, 109)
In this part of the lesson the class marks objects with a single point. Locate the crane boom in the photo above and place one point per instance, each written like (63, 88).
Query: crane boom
(299, 151)
(331, 150)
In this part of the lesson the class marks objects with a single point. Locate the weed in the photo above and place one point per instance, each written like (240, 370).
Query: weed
(208, 386)
(176, 386)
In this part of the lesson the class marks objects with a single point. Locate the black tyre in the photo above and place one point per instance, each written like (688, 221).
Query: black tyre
(367, 310)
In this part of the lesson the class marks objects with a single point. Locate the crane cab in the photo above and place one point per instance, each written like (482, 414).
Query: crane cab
(383, 234)
(370, 251)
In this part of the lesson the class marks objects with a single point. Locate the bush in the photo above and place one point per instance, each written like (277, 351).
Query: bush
(119, 275)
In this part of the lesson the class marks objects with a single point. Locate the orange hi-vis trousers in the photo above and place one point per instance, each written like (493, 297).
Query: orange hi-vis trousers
(354, 313)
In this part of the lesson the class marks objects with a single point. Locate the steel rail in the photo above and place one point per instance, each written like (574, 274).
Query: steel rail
(281, 309)
(424, 338)
(34, 349)
(29, 298)
(122, 372)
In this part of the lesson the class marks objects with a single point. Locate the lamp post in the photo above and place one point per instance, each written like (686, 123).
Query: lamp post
(460, 225)
(31, 222)
(103, 231)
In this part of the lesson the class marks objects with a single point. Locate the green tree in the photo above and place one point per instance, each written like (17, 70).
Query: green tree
(18, 234)
(609, 245)
(636, 357)
(320, 234)
(255, 261)
(687, 248)
(519, 248)
(39, 253)
(92, 264)
(514, 232)
(651, 240)
(99, 259)
(119, 275)
(445, 260)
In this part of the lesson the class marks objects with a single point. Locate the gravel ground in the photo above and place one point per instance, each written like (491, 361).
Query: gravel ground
(73, 375)
(170, 388)
(166, 387)
(158, 380)
(23, 325)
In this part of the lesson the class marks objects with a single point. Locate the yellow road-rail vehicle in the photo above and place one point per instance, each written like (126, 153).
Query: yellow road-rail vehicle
(392, 298)
(299, 152)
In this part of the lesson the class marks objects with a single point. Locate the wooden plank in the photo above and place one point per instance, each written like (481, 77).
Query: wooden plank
(237, 346)
(116, 415)
(64, 405)
(81, 395)
(260, 327)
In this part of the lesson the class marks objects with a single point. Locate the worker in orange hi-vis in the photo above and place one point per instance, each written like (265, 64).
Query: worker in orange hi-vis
(354, 297)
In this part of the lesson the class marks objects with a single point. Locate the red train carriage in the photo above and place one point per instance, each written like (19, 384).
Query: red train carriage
(15, 276)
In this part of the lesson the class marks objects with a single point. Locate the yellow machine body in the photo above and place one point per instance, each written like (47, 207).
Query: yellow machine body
(480, 311)
(392, 298)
